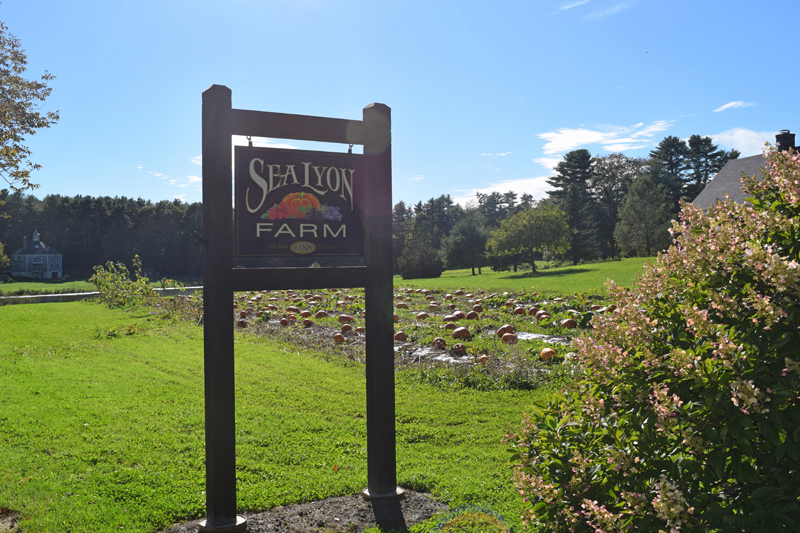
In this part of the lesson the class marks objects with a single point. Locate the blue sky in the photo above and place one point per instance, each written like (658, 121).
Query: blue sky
(485, 95)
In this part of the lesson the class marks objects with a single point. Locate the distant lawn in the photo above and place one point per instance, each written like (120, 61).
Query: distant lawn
(67, 285)
(55, 286)
(563, 281)
(101, 425)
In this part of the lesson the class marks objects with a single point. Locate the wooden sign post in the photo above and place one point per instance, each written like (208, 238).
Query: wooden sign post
(360, 187)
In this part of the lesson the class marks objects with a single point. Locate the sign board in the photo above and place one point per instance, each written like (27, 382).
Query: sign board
(286, 203)
(296, 202)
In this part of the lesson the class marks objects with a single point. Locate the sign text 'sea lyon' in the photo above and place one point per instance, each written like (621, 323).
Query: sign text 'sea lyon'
(337, 180)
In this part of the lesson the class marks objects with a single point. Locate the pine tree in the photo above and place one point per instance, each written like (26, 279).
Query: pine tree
(642, 228)
(572, 194)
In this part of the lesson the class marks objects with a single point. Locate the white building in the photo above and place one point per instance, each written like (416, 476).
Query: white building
(36, 260)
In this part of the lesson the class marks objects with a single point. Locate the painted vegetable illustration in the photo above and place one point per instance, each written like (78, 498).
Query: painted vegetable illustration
(300, 202)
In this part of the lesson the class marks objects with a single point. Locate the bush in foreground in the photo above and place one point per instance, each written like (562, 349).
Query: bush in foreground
(688, 419)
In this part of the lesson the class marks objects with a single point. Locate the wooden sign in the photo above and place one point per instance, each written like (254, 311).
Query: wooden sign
(295, 202)
(292, 202)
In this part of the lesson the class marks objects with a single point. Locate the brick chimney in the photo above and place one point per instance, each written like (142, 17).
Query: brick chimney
(784, 140)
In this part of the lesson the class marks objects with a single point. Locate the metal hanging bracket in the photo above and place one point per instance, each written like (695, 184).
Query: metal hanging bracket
(198, 239)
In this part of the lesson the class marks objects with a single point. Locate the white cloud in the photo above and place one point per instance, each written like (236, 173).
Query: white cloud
(621, 147)
(536, 187)
(566, 139)
(549, 162)
(194, 179)
(197, 160)
(181, 197)
(614, 138)
(734, 105)
(419, 177)
(241, 140)
(570, 6)
(502, 154)
(748, 142)
(606, 11)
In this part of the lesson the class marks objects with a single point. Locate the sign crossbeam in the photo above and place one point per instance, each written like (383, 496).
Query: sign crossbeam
(297, 127)
(255, 279)
(369, 216)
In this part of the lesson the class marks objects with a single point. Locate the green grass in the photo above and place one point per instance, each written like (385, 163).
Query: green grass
(101, 425)
(56, 286)
(67, 285)
(563, 280)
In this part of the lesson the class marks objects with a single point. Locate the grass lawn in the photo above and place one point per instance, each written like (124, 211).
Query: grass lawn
(102, 425)
(56, 286)
(563, 280)
(67, 285)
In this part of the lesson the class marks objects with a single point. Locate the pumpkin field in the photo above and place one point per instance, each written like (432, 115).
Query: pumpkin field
(101, 411)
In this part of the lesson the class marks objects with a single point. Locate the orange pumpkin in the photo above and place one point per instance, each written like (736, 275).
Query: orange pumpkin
(300, 202)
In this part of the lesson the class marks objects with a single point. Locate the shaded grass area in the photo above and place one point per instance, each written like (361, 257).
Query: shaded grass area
(102, 425)
(563, 280)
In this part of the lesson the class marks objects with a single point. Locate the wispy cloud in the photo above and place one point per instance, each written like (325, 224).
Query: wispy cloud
(502, 154)
(418, 177)
(175, 182)
(570, 6)
(197, 160)
(748, 142)
(181, 197)
(548, 162)
(241, 140)
(607, 11)
(610, 138)
(158, 175)
(734, 105)
(536, 187)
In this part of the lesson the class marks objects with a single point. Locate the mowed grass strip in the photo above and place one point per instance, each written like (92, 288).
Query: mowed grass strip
(102, 425)
(60, 286)
(562, 280)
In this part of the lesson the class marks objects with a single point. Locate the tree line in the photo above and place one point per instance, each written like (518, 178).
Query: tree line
(90, 230)
(600, 207)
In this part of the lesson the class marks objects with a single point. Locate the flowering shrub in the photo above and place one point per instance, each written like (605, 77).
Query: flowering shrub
(688, 418)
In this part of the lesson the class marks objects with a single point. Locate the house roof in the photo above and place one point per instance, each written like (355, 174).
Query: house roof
(37, 248)
(729, 179)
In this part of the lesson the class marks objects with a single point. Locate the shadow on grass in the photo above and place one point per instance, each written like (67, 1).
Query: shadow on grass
(548, 273)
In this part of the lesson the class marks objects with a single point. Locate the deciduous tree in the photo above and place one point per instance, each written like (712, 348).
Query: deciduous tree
(20, 114)
(466, 244)
(531, 231)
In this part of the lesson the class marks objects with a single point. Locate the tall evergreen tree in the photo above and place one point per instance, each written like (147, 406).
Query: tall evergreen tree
(402, 220)
(672, 153)
(435, 218)
(611, 176)
(573, 196)
(703, 161)
(642, 228)
(491, 208)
